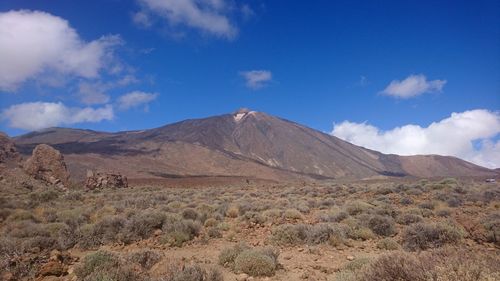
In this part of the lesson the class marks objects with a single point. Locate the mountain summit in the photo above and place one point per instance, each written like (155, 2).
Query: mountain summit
(244, 143)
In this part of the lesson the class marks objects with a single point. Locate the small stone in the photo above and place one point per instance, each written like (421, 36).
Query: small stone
(350, 258)
(301, 249)
(242, 277)
(287, 257)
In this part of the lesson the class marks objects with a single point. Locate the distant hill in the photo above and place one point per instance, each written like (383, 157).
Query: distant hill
(245, 143)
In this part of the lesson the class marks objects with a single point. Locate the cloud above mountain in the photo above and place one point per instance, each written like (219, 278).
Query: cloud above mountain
(40, 115)
(135, 99)
(34, 43)
(412, 86)
(471, 135)
(256, 79)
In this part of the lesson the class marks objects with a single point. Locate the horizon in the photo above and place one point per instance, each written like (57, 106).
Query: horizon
(411, 78)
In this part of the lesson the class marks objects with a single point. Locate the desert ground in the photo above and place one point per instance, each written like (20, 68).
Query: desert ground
(441, 229)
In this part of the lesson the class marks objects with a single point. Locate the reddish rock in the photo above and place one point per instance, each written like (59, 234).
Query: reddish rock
(53, 268)
(105, 180)
(47, 164)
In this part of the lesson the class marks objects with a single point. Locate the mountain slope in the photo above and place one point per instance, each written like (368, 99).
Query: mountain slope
(245, 143)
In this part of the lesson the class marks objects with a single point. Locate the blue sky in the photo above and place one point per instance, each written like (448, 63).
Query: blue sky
(139, 64)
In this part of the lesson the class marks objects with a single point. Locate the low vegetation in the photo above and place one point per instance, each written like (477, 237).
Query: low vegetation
(389, 231)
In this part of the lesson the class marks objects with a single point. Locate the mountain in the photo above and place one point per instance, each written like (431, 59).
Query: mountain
(244, 144)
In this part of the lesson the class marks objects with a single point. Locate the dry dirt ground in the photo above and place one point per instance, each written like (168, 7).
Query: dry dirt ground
(380, 230)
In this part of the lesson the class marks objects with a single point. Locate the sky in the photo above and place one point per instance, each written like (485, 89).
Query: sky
(404, 77)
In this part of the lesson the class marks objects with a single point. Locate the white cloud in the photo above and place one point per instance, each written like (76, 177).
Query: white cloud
(412, 86)
(134, 99)
(453, 136)
(142, 19)
(256, 79)
(40, 115)
(209, 16)
(93, 93)
(35, 42)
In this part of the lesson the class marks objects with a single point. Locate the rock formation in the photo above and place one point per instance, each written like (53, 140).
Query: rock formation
(47, 164)
(8, 150)
(105, 180)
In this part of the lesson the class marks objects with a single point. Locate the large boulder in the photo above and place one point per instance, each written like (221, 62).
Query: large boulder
(105, 180)
(8, 152)
(47, 164)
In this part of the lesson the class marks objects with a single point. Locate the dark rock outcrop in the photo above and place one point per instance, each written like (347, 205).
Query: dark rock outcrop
(47, 164)
(97, 180)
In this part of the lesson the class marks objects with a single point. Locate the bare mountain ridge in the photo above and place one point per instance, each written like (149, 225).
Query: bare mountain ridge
(245, 143)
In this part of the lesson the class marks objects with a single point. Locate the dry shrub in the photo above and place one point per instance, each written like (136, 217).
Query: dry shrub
(422, 236)
(177, 231)
(228, 255)
(409, 218)
(292, 214)
(381, 225)
(394, 266)
(436, 265)
(257, 262)
(492, 226)
(107, 266)
(146, 258)
(192, 273)
(388, 244)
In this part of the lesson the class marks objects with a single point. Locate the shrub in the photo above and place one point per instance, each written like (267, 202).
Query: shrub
(454, 202)
(289, 234)
(429, 205)
(394, 266)
(381, 225)
(335, 216)
(360, 233)
(142, 225)
(357, 207)
(190, 213)
(422, 236)
(145, 258)
(272, 214)
(228, 255)
(408, 218)
(232, 212)
(107, 266)
(214, 232)
(492, 227)
(192, 273)
(443, 212)
(211, 222)
(107, 230)
(178, 231)
(406, 201)
(253, 218)
(388, 244)
(257, 262)
(292, 214)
